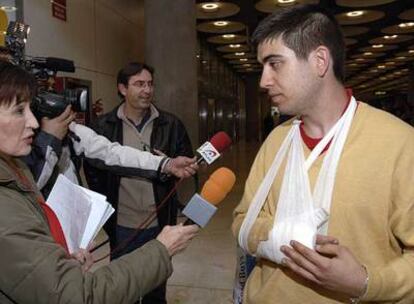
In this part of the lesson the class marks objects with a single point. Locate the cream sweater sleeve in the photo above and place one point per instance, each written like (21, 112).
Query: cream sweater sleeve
(395, 281)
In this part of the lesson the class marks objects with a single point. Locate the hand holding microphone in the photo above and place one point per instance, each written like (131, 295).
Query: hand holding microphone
(200, 209)
(177, 238)
(183, 167)
(210, 150)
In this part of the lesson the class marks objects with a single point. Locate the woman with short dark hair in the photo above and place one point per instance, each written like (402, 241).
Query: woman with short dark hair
(35, 265)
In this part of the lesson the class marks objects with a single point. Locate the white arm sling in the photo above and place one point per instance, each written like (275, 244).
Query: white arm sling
(299, 214)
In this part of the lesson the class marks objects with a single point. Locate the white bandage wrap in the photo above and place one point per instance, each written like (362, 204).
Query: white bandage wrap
(300, 215)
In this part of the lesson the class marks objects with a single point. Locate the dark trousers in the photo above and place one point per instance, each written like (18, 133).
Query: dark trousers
(250, 263)
(157, 295)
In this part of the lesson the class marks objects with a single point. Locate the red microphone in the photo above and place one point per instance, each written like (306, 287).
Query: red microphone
(210, 150)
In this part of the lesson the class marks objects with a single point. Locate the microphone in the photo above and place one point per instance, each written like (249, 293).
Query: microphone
(60, 64)
(210, 150)
(54, 64)
(201, 208)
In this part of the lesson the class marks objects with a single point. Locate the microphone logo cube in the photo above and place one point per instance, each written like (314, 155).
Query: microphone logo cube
(208, 152)
(199, 210)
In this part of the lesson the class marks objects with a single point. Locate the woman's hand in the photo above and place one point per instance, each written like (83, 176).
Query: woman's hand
(84, 257)
(177, 238)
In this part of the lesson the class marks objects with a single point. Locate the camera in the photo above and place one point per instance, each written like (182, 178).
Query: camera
(47, 102)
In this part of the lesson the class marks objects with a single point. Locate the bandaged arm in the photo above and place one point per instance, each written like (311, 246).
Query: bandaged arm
(264, 221)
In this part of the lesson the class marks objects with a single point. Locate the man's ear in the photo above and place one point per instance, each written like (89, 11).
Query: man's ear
(122, 89)
(322, 60)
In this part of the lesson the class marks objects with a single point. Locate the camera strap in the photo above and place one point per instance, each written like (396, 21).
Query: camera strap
(7, 296)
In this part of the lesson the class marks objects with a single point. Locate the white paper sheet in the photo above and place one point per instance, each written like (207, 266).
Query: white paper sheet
(81, 212)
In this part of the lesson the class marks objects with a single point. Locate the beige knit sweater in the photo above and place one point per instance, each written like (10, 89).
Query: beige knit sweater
(372, 213)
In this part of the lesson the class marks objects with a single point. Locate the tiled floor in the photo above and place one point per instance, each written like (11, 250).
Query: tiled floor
(204, 272)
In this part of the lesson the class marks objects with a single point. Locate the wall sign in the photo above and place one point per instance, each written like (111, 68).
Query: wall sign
(59, 9)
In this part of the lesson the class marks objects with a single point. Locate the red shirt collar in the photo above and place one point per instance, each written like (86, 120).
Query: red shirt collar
(311, 142)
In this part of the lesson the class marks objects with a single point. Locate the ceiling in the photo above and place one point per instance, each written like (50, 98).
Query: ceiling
(380, 39)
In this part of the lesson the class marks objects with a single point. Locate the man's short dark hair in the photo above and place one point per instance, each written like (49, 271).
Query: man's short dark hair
(129, 70)
(15, 82)
(303, 28)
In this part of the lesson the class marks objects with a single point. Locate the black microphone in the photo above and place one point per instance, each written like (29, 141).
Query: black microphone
(54, 64)
(60, 64)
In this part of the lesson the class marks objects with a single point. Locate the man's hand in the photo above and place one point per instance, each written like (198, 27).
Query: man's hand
(58, 126)
(159, 153)
(181, 166)
(177, 238)
(331, 266)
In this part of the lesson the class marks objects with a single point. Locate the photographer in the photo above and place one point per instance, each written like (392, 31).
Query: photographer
(54, 152)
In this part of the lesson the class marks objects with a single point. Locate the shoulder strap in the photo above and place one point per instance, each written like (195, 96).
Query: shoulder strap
(7, 296)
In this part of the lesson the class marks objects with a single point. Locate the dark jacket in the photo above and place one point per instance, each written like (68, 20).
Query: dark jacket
(168, 135)
(46, 146)
(35, 269)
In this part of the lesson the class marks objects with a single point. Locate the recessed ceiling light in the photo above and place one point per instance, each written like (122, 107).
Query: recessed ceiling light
(354, 14)
(381, 66)
(411, 51)
(380, 93)
(400, 58)
(360, 59)
(220, 23)
(388, 37)
(377, 46)
(228, 36)
(8, 9)
(368, 53)
(239, 54)
(243, 59)
(210, 7)
(234, 46)
(247, 64)
(285, 1)
(406, 24)
(390, 63)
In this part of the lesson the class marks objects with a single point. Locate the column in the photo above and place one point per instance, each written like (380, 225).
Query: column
(170, 47)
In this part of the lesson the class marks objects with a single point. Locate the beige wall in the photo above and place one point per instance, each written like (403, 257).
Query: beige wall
(100, 36)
